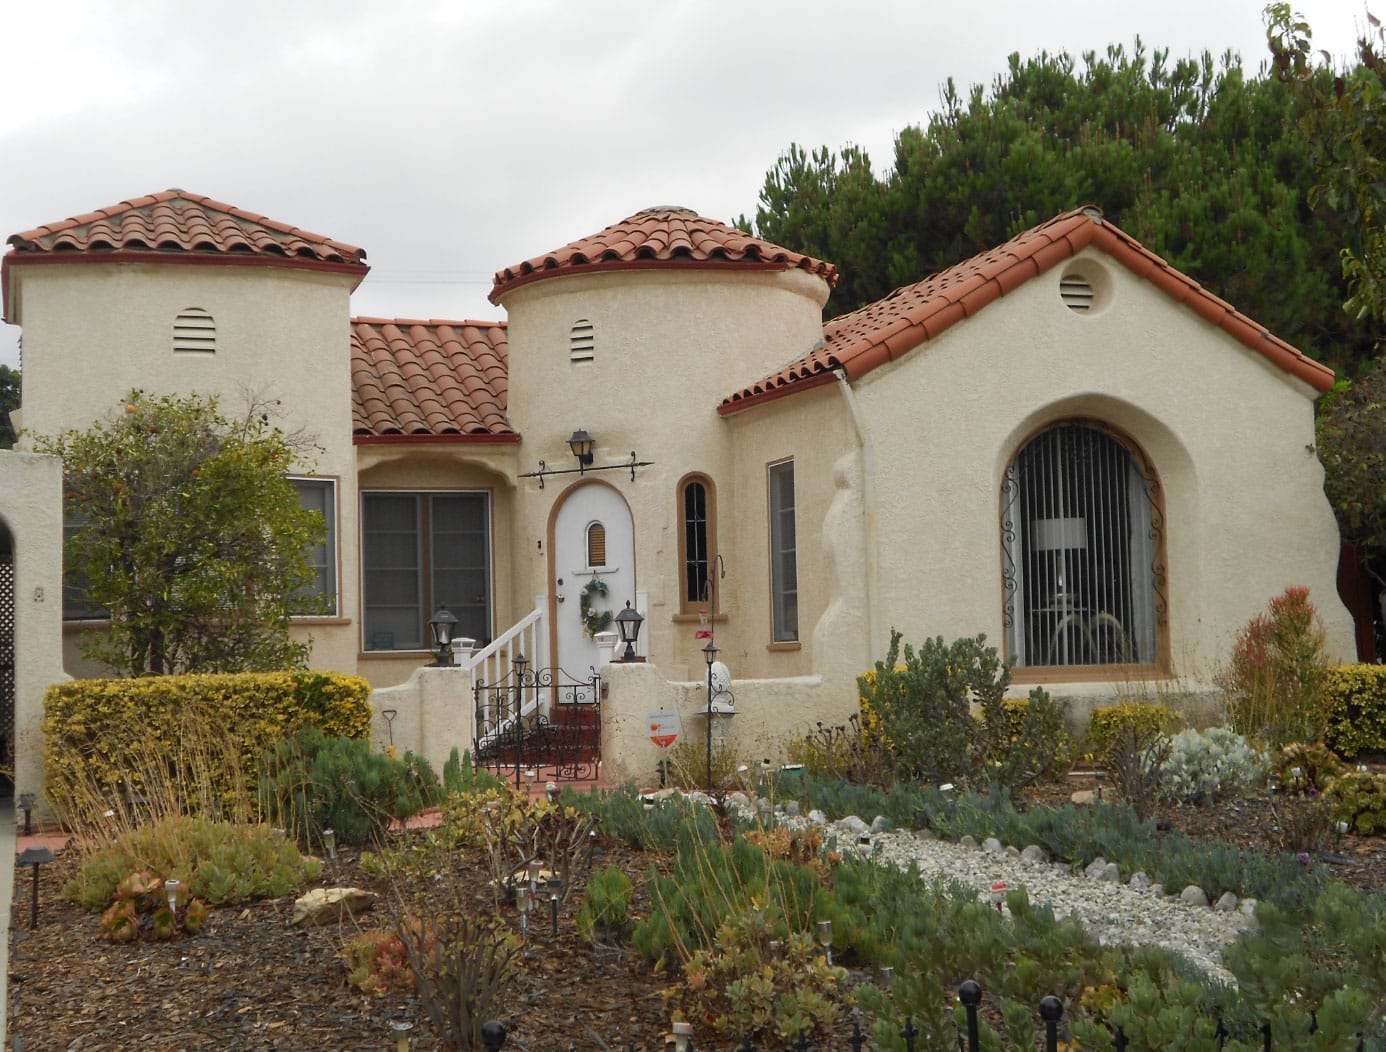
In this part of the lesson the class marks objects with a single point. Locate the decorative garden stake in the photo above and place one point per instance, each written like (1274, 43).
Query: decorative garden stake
(1100, 776)
(551, 791)
(998, 895)
(34, 856)
(171, 889)
(522, 904)
(553, 911)
(887, 977)
(683, 1036)
(825, 939)
(329, 841)
(401, 1027)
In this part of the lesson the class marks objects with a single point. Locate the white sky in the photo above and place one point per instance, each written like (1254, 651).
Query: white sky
(451, 139)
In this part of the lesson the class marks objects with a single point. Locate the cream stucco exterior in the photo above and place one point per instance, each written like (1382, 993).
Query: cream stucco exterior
(897, 473)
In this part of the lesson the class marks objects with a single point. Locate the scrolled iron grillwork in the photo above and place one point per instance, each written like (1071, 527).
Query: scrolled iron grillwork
(539, 718)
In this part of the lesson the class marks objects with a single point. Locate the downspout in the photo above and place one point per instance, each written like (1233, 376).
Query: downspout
(868, 500)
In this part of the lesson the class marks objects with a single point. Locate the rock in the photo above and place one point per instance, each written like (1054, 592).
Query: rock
(1084, 796)
(1095, 868)
(853, 826)
(1156, 890)
(817, 817)
(1194, 896)
(1013, 852)
(880, 824)
(323, 906)
(1140, 881)
(1248, 906)
(1111, 873)
(1227, 903)
(967, 840)
(992, 846)
(739, 800)
(1033, 854)
(791, 809)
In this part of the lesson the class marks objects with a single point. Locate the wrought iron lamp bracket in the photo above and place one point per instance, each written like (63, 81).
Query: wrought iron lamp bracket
(544, 470)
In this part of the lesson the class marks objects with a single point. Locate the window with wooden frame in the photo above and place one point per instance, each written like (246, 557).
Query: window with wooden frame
(697, 499)
(784, 565)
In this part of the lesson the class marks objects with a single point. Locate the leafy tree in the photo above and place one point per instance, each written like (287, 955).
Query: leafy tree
(9, 401)
(1345, 120)
(189, 534)
(1352, 448)
(1205, 165)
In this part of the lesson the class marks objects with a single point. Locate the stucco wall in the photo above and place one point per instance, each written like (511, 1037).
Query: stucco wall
(668, 346)
(431, 714)
(31, 509)
(92, 332)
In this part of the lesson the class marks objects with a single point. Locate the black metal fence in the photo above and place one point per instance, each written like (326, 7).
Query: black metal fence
(1051, 1013)
(539, 718)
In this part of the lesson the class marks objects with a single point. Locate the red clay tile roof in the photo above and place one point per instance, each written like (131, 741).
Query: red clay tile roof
(425, 379)
(177, 221)
(885, 330)
(667, 236)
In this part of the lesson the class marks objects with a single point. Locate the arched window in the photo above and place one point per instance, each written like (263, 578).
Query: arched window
(596, 544)
(697, 543)
(1083, 551)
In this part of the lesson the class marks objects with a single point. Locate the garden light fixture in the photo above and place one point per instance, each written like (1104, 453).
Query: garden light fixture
(683, 1036)
(825, 939)
(329, 841)
(628, 623)
(26, 804)
(442, 624)
(171, 890)
(401, 1027)
(34, 856)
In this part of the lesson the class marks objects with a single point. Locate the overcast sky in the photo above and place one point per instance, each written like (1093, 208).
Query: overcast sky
(452, 139)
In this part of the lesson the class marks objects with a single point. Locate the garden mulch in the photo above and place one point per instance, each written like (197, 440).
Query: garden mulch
(252, 981)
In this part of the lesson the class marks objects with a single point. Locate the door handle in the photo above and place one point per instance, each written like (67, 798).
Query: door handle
(560, 598)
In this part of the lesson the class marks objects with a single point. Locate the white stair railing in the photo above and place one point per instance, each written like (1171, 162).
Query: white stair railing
(494, 662)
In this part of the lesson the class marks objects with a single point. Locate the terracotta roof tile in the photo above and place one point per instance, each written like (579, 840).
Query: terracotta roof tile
(179, 222)
(426, 379)
(660, 237)
(891, 327)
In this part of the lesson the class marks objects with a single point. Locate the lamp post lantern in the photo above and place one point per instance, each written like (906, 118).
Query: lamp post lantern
(442, 624)
(710, 656)
(628, 623)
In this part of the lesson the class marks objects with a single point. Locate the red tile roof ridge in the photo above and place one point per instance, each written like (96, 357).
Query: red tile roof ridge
(452, 323)
(666, 236)
(869, 336)
(70, 235)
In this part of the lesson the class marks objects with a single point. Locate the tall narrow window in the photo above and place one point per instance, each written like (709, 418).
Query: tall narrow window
(697, 544)
(320, 598)
(194, 332)
(784, 574)
(1082, 540)
(420, 551)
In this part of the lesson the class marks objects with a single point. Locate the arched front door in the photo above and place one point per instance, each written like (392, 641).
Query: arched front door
(593, 546)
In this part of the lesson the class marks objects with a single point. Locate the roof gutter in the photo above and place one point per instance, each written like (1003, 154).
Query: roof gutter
(868, 504)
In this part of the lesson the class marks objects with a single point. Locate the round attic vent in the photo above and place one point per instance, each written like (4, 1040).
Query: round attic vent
(1085, 287)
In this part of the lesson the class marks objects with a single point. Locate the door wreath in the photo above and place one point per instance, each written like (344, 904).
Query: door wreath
(594, 621)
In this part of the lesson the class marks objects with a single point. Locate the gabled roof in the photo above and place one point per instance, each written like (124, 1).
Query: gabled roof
(664, 237)
(886, 330)
(178, 225)
(429, 380)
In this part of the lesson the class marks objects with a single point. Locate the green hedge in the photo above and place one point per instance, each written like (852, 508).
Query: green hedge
(113, 734)
(1356, 696)
(1106, 721)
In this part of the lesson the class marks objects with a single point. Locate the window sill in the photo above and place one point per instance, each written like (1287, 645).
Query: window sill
(387, 655)
(786, 646)
(1042, 674)
(694, 617)
(310, 619)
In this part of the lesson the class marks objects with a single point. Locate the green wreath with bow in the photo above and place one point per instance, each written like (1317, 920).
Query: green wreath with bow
(594, 621)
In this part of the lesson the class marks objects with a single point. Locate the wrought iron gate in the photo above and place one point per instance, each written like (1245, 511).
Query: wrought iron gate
(539, 719)
(7, 619)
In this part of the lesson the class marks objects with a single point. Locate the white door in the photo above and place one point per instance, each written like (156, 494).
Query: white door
(593, 541)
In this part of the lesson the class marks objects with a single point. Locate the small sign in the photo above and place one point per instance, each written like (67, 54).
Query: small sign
(664, 727)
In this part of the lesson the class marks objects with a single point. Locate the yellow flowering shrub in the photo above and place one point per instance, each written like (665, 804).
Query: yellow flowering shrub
(126, 735)
(1356, 699)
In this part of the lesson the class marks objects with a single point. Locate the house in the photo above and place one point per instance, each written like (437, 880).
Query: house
(1062, 442)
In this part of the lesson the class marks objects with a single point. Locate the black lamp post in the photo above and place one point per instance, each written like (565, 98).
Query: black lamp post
(709, 655)
(35, 856)
(581, 444)
(442, 624)
(628, 623)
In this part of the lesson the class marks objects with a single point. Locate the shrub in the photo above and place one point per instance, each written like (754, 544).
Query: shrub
(1209, 765)
(1359, 799)
(107, 740)
(461, 775)
(1302, 767)
(312, 782)
(922, 711)
(605, 912)
(1105, 723)
(141, 908)
(1356, 699)
(1276, 675)
(1136, 758)
(377, 962)
(220, 862)
(845, 751)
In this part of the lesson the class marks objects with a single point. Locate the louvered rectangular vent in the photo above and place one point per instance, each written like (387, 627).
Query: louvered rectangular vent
(1076, 292)
(194, 332)
(582, 342)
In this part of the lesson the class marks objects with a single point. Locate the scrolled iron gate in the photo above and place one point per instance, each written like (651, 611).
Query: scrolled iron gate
(533, 719)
